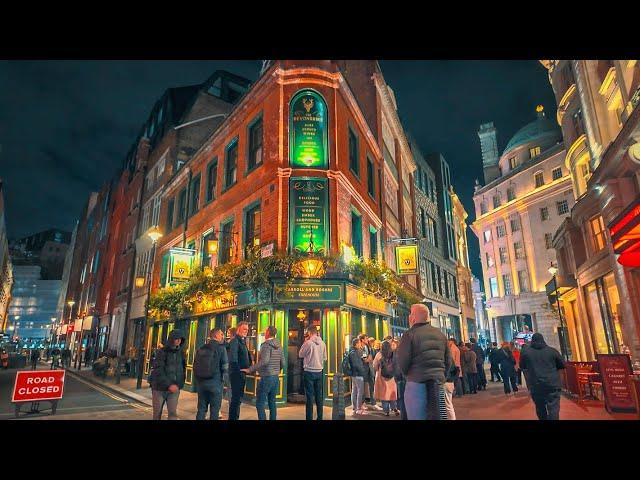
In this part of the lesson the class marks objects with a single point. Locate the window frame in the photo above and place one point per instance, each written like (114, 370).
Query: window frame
(351, 134)
(232, 145)
(251, 149)
(210, 196)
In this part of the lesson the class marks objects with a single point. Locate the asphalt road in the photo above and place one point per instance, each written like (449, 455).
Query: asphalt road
(81, 401)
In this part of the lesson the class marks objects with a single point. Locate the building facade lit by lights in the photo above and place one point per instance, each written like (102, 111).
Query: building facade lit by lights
(526, 195)
(598, 244)
(6, 269)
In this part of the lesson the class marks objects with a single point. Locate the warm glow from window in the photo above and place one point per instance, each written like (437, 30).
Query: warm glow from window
(597, 229)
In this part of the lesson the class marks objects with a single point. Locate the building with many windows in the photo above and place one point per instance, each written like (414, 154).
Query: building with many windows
(527, 194)
(6, 269)
(598, 280)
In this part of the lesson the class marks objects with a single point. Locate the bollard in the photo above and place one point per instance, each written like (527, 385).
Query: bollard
(337, 412)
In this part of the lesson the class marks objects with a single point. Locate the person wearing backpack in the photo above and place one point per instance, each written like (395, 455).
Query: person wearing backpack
(385, 388)
(268, 367)
(168, 375)
(354, 366)
(209, 367)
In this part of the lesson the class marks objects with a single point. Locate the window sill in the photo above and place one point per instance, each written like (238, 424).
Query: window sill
(226, 189)
(253, 169)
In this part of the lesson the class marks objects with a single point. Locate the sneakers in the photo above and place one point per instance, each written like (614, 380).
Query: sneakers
(354, 413)
(362, 412)
(376, 407)
(397, 412)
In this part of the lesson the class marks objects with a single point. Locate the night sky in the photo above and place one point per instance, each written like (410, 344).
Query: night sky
(66, 126)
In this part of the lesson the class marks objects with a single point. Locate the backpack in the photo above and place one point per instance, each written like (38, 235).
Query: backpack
(206, 362)
(346, 365)
(387, 369)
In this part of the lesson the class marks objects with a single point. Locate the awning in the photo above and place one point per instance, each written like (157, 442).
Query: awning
(625, 235)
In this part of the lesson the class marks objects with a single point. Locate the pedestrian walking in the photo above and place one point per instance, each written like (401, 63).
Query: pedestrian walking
(356, 370)
(477, 349)
(168, 375)
(55, 358)
(455, 356)
(423, 356)
(515, 349)
(66, 358)
(469, 367)
(35, 356)
(210, 365)
(314, 354)
(385, 388)
(400, 379)
(269, 365)
(449, 386)
(239, 359)
(507, 368)
(495, 364)
(541, 364)
(4, 358)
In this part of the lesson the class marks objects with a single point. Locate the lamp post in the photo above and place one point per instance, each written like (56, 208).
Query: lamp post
(71, 303)
(563, 339)
(154, 235)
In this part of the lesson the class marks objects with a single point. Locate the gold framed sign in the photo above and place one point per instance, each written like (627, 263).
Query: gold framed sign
(407, 259)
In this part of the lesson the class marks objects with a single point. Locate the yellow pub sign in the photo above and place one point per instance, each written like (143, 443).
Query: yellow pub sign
(407, 259)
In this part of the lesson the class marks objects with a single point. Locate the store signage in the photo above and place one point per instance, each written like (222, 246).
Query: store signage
(407, 259)
(310, 293)
(308, 214)
(367, 301)
(616, 374)
(308, 131)
(181, 263)
(204, 303)
(33, 386)
(267, 250)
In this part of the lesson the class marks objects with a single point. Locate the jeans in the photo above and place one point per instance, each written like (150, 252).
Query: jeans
(209, 398)
(472, 381)
(389, 405)
(267, 391)
(401, 388)
(237, 381)
(509, 378)
(421, 400)
(159, 398)
(448, 400)
(357, 393)
(370, 379)
(495, 372)
(547, 403)
(313, 393)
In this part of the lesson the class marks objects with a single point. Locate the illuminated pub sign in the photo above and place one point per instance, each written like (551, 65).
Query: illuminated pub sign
(625, 235)
(407, 259)
(308, 131)
(367, 301)
(308, 214)
(181, 263)
(305, 292)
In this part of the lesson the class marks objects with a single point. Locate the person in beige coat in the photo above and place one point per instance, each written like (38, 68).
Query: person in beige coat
(385, 388)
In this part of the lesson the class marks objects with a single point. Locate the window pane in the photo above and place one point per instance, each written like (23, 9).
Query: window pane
(231, 165)
(212, 179)
(354, 164)
(255, 146)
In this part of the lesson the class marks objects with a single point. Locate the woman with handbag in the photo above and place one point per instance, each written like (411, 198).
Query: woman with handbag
(385, 388)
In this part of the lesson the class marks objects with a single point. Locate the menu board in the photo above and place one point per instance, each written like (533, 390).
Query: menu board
(308, 214)
(308, 131)
(616, 382)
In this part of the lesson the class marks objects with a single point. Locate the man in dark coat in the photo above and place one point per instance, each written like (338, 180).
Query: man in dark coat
(541, 364)
(239, 359)
(423, 356)
(210, 388)
(167, 375)
(477, 349)
(495, 364)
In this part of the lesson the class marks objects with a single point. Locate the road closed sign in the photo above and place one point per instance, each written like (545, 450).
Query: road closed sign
(33, 386)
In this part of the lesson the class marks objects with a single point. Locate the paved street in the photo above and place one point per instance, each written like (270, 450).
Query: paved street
(87, 398)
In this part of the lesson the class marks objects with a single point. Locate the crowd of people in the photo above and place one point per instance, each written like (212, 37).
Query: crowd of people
(415, 377)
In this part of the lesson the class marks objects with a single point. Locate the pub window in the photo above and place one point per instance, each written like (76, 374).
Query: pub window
(255, 144)
(182, 206)
(169, 225)
(252, 227)
(356, 233)
(212, 179)
(371, 179)
(231, 164)
(206, 256)
(373, 243)
(354, 164)
(539, 177)
(195, 195)
(226, 242)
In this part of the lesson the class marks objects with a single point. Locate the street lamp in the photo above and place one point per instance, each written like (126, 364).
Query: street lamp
(154, 234)
(553, 270)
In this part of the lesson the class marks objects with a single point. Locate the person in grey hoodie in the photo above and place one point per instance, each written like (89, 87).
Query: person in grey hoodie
(314, 353)
(268, 367)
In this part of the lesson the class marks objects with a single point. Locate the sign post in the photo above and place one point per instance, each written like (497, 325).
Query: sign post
(36, 386)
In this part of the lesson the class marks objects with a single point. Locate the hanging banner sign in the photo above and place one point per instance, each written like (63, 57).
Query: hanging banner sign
(181, 263)
(308, 214)
(616, 374)
(308, 131)
(407, 259)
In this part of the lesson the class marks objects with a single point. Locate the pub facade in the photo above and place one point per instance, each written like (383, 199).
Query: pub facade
(294, 167)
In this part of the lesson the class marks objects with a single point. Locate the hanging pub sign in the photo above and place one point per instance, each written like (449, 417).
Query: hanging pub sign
(308, 214)
(308, 131)
(407, 259)
(616, 374)
(181, 262)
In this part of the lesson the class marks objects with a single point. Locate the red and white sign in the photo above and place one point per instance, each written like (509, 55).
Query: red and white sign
(33, 386)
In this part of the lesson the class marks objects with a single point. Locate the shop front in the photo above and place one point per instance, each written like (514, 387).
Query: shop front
(337, 308)
(603, 306)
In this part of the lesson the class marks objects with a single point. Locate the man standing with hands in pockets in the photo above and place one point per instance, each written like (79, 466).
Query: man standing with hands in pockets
(314, 353)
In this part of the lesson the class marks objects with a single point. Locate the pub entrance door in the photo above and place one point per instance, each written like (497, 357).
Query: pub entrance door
(298, 319)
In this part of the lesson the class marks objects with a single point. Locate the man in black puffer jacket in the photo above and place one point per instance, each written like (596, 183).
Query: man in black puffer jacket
(423, 356)
(167, 375)
(541, 364)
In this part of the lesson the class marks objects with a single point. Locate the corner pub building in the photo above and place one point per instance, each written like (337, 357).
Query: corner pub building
(295, 165)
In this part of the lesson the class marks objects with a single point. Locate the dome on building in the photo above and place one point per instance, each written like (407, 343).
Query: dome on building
(542, 131)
